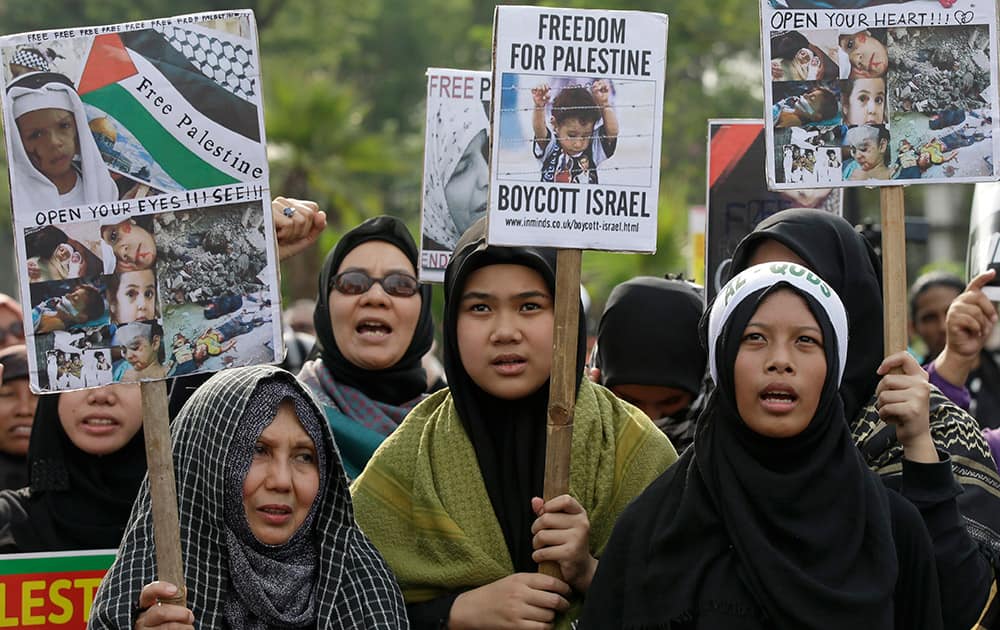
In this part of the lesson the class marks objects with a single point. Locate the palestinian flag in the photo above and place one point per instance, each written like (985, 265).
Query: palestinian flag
(188, 95)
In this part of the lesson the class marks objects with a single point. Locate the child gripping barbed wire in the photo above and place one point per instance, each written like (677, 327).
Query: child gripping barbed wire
(568, 148)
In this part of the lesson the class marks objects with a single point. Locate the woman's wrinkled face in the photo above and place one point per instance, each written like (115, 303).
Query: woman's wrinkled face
(780, 367)
(283, 480)
(373, 330)
(101, 420)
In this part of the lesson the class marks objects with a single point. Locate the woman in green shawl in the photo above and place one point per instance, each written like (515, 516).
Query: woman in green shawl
(451, 498)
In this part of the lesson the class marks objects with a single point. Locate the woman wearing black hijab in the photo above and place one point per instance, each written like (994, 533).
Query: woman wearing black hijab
(830, 246)
(772, 520)
(451, 499)
(82, 480)
(373, 326)
(656, 366)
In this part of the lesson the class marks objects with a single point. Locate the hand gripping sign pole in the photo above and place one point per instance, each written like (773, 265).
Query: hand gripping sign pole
(163, 488)
(562, 389)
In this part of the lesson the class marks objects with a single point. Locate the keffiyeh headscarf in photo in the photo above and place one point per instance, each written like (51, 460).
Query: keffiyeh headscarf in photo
(797, 527)
(31, 58)
(326, 576)
(30, 188)
(454, 126)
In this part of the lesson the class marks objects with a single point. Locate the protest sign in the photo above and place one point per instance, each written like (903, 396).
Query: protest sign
(51, 590)
(898, 93)
(456, 171)
(577, 106)
(577, 115)
(738, 197)
(140, 198)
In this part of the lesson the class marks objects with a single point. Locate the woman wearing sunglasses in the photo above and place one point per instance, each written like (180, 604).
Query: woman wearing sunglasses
(373, 325)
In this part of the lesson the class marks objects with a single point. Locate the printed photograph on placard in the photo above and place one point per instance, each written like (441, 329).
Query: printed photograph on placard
(804, 56)
(63, 252)
(916, 95)
(942, 118)
(217, 300)
(570, 130)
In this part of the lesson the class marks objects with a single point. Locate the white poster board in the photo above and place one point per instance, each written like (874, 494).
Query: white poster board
(577, 117)
(456, 168)
(897, 92)
(139, 182)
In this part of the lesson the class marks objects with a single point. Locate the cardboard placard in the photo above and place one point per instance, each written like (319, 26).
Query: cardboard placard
(456, 163)
(577, 113)
(139, 183)
(898, 92)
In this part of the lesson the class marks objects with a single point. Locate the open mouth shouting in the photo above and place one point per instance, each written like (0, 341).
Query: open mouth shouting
(373, 329)
(778, 398)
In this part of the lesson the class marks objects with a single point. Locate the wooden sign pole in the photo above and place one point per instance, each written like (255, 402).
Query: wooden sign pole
(162, 488)
(562, 387)
(893, 268)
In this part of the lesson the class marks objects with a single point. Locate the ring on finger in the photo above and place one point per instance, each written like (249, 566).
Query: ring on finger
(288, 211)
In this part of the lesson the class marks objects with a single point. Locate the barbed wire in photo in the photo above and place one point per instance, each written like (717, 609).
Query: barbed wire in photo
(572, 107)
(513, 141)
(602, 169)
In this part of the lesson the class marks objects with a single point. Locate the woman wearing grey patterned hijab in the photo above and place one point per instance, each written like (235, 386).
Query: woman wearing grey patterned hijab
(267, 527)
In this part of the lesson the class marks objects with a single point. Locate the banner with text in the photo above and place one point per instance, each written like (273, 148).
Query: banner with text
(738, 197)
(456, 168)
(882, 93)
(139, 184)
(50, 590)
(577, 118)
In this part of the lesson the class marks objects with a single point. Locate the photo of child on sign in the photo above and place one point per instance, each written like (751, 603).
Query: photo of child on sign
(581, 133)
(569, 130)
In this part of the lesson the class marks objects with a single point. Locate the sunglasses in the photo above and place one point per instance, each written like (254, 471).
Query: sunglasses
(356, 282)
(14, 330)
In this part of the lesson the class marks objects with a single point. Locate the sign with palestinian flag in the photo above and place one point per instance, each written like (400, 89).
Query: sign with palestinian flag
(139, 186)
